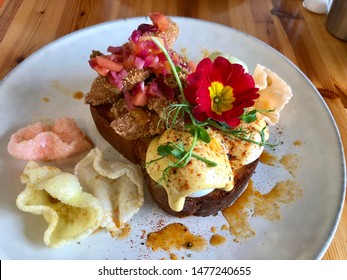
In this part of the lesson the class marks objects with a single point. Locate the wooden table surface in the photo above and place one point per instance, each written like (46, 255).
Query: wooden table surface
(28, 25)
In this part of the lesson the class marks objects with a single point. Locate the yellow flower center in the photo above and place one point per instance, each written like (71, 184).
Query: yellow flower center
(222, 97)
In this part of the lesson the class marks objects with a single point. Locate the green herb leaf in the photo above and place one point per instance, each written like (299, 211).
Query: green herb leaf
(164, 150)
(170, 149)
(250, 116)
(178, 151)
(262, 134)
(183, 157)
(200, 132)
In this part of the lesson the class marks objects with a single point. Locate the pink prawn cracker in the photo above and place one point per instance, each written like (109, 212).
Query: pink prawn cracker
(45, 142)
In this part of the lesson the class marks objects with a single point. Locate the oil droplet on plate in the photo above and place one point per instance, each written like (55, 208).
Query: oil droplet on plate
(291, 162)
(253, 203)
(268, 158)
(268, 205)
(237, 215)
(78, 95)
(297, 143)
(224, 227)
(217, 240)
(175, 236)
(173, 256)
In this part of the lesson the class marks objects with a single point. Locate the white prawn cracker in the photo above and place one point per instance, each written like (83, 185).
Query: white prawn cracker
(118, 185)
(274, 93)
(71, 213)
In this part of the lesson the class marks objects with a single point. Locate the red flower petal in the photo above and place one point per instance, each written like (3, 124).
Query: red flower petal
(204, 65)
(200, 114)
(222, 71)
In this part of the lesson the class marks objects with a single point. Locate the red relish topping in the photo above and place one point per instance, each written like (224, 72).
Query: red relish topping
(141, 92)
(144, 27)
(139, 52)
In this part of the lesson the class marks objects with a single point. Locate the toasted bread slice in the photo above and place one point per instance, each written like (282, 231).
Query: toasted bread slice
(135, 151)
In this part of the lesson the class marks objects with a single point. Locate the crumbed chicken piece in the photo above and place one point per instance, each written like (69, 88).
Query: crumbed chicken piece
(118, 109)
(99, 94)
(160, 106)
(136, 123)
(130, 128)
(143, 122)
(139, 122)
(103, 91)
(170, 80)
(170, 34)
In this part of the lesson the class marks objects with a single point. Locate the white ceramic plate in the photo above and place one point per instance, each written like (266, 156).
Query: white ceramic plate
(42, 88)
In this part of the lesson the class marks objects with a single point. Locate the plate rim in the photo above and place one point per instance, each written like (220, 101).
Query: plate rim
(258, 41)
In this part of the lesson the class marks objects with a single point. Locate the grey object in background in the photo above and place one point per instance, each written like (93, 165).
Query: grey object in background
(336, 22)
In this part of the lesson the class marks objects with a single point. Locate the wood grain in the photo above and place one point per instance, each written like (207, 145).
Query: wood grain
(28, 25)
